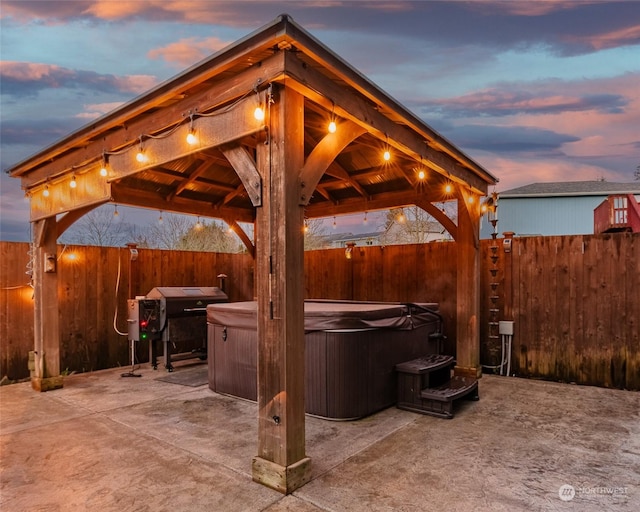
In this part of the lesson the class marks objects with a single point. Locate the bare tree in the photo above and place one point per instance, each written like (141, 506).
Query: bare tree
(315, 234)
(167, 233)
(211, 237)
(104, 226)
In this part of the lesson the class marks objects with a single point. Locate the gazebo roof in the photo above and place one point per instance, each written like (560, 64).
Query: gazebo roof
(216, 97)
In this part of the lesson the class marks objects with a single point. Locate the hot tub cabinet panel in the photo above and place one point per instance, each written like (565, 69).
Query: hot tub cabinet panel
(350, 372)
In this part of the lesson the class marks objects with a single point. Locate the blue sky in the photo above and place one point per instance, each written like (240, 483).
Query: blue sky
(532, 90)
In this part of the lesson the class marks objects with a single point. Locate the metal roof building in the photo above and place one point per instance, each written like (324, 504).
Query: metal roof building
(557, 208)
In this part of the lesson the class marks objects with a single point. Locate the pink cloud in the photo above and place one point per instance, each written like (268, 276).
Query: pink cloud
(28, 78)
(188, 51)
(30, 71)
(613, 39)
(96, 110)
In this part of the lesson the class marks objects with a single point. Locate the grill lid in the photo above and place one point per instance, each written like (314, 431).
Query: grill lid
(187, 300)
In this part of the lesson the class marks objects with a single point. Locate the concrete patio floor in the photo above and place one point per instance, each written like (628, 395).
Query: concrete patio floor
(105, 443)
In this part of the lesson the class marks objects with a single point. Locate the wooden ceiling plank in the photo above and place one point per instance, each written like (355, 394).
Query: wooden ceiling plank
(201, 169)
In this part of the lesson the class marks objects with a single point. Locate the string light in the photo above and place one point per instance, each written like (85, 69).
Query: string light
(115, 211)
(471, 199)
(160, 219)
(258, 113)
(421, 174)
(387, 152)
(364, 221)
(191, 136)
(198, 225)
(334, 223)
(305, 228)
(332, 123)
(73, 183)
(140, 156)
(45, 192)
(401, 218)
(103, 169)
(448, 188)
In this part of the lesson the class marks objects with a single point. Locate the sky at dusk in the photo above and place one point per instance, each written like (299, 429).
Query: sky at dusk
(533, 91)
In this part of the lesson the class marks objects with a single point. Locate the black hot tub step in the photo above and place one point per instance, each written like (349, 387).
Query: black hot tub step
(457, 387)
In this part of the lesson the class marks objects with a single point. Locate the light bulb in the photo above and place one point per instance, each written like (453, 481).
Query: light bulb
(116, 213)
(387, 155)
(45, 192)
(421, 174)
(332, 127)
(258, 113)
(471, 199)
(73, 183)
(160, 219)
(103, 171)
(447, 188)
(191, 138)
(141, 157)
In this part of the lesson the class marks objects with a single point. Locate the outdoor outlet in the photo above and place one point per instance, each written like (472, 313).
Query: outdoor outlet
(49, 262)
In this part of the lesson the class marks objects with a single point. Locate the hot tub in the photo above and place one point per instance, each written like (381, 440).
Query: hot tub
(351, 351)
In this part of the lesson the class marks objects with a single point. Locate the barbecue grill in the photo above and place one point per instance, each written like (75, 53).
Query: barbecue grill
(175, 316)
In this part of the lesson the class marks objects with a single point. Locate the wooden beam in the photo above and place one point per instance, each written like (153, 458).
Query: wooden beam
(237, 229)
(144, 199)
(201, 169)
(323, 154)
(281, 462)
(376, 202)
(46, 310)
(67, 220)
(440, 216)
(245, 166)
(347, 104)
(91, 190)
(123, 126)
(216, 130)
(468, 289)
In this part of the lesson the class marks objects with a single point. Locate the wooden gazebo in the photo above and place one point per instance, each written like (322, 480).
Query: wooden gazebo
(273, 170)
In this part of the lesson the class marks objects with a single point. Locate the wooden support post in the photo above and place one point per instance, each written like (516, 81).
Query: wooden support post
(46, 316)
(281, 462)
(468, 289)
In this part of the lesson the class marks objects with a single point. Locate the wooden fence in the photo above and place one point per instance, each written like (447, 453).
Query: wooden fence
(573, 299)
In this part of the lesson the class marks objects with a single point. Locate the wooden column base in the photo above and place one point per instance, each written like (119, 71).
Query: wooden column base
(466, 371)
(47, 383)
(284, 479)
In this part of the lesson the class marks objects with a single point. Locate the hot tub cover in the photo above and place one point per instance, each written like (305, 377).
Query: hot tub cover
(325, 315)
